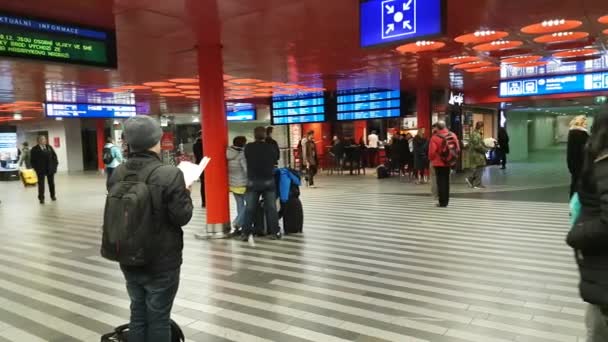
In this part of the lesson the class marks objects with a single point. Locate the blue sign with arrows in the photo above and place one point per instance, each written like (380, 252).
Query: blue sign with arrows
(389, 21)
(548, 85)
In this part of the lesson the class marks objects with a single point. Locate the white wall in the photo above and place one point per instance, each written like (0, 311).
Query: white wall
(517, 127)
(70, 142)
(543, 129)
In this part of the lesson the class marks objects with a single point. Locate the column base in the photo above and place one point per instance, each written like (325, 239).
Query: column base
(214, 231)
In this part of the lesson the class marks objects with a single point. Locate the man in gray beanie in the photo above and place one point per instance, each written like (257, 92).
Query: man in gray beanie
(149, 244)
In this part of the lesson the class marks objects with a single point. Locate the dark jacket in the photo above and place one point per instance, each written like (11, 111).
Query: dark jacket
(400, 151)
(577, 139)
(421, 153)
(45, 162)
(197, 149)
(261, 159)
(589, 235)
(275, 145)
(173, 204)
(503, 140)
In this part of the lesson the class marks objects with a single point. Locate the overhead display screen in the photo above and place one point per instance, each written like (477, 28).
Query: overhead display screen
(549, 85)
(388, 21)
(87, 111)
(298, 109)
(240, 112)
(363, 104)
(44, 40)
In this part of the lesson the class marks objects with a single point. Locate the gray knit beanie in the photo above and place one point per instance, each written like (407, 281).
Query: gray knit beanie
(142, 133)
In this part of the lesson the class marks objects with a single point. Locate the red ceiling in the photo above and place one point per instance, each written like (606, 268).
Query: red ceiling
(310, 42)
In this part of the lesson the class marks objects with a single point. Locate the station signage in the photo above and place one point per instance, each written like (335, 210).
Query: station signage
(29, 38)
(390, 21)
(549, 85)
(88, 111)
(240, 112)
(298, 109)
(370, 103)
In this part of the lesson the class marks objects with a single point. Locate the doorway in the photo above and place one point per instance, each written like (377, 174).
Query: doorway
(89, 149)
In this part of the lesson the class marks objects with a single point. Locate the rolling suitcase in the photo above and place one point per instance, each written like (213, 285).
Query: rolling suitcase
(293, 216)
(120, 334)
(28, 177)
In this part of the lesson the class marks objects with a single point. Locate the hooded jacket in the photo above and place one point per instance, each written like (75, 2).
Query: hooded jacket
(237, 166)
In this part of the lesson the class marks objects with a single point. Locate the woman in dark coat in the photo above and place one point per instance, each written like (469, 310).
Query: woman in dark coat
(577, 139)
(503, 146)
(421, 157)
(589, 235)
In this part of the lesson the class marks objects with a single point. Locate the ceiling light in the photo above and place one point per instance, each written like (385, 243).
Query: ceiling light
(603, 20)
(188, 87)
(59, 119)
(134, 87)
(245, 81)
(159, 84)
(477, 64)
(458, 60)
(498, 45)
(521, 59)
(17, 116)
(553, 25)
(575, 53)
(558, 37)
(481, 37)
(165, 90)
(111, 90)
(183, 80)
(420, 46)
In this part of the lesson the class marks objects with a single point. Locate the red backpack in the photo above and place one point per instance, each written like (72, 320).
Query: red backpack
(449, 153)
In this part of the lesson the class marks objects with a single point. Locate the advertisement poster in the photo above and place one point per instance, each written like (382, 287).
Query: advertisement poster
(9, 154)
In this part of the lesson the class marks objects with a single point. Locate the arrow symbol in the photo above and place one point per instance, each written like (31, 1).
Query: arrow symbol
(407, 25)
(391, 28)
(390, 9)
(407, 6)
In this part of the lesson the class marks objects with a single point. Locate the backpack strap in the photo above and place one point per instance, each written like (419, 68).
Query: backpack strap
(144, 174)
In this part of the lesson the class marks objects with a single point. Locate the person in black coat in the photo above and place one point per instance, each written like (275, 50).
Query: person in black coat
(198, 151)
(44, 161)
(589, 234)
(577, 139)
(503, 147)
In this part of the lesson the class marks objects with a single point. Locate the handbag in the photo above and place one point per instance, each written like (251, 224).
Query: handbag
(575, 208)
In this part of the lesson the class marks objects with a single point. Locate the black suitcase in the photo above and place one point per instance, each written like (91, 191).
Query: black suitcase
(293, 216)
(120, 334)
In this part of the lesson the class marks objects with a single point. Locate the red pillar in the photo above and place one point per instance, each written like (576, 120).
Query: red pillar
(423, 95)
(101, 141)
(206, 24)
(360, 130)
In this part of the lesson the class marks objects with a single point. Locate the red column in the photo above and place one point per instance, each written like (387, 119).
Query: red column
(423, 95)
(360, 130)
(101, 141)
(206, 24)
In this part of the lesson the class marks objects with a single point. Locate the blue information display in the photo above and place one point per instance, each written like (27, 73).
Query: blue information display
(363, 104)
(240, 112)
(298, 109)
(86, 111)
(388, 21)
(548, 85)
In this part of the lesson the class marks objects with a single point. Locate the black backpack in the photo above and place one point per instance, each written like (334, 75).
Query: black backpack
(107, 156)
(130, 225)
(120, 334)
(383, 172)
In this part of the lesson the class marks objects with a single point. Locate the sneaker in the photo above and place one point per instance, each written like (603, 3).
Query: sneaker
(277, 236)
(468, 182)
(480, 187)
(312, 186)
(251, 240)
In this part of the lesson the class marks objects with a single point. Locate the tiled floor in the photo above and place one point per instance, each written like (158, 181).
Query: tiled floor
(374, 264)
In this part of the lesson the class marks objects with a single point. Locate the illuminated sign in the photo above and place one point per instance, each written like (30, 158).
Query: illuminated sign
(456, 99)
(86, 111)
(298, 109)
(549, 85)
(389, 21)
(240, 112)
(33, 39)
(362, 104)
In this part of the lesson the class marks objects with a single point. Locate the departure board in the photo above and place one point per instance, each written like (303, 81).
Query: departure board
(240, 112)
(363, 104)
(87, 111)
(44, 40)
(298, 109)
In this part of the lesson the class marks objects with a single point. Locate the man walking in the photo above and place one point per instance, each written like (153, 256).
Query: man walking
(261, 159)
(112, 158)
(197, 149)
(444, 152)
(44, 161)
(149, 245)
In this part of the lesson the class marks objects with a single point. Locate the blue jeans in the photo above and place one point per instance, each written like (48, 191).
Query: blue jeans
(152, 298)
(239, 221)
(252, 198)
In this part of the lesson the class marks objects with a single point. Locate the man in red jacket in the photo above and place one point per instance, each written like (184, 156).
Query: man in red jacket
(443, 150)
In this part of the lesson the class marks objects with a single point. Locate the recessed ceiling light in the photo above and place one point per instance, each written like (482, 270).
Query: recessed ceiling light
(17, 116)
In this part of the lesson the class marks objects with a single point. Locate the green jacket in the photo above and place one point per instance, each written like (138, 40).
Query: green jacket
(477, 150)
